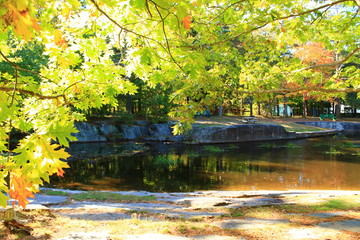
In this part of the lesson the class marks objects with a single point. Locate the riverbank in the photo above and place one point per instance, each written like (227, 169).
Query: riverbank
(206, 215)
(225, 129)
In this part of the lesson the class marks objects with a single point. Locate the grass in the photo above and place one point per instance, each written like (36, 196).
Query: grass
(278, 211)
(54, 193)
(287, 123)
(101, 196)
(109, 196)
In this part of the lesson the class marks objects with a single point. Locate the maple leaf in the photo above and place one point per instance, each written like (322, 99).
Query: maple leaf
(3, 188)
(187, 22)
(63, 131)
(60, 172)
(21, 20)
(59, 39)
(20, 189)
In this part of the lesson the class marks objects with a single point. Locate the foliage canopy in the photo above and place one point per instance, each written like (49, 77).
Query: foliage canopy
(203, 49)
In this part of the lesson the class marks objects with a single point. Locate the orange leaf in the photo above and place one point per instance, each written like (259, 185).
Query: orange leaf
(60, 39)
(20, 189)
(21, 20)
(186, 22)
(60, 172)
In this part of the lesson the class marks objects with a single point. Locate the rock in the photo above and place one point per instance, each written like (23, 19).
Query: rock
(348, 225)
(249, 223)
(155, 236)
(47, 199)
(216, 237)
(87, 236)
(202, 202)
(327, 214)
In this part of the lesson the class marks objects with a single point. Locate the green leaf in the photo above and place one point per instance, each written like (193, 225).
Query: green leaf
(62, 131)
(138, 4)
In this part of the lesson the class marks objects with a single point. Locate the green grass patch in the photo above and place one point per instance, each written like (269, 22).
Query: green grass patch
(54, 193)
(338, 204)
(329, 205)
(114, 197)
(296, 127)
(278, 210)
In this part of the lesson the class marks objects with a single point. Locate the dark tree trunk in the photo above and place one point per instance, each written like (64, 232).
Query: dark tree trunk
(305, 109)
(337, 108)
(285, 107)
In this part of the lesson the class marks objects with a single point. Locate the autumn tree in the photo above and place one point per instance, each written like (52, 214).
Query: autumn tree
(194, 46)
(313, 54)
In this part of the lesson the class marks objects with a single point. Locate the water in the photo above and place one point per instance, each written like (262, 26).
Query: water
(331, 163)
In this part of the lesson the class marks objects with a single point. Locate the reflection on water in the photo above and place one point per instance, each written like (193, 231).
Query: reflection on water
(318, 163)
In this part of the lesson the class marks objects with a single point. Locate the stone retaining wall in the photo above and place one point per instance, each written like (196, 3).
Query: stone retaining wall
(142, 131)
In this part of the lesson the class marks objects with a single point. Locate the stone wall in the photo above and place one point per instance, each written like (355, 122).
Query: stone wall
(237, 133)
(104, 131)
(111, 131)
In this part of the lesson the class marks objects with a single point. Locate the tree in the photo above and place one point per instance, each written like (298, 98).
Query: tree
(197, 47)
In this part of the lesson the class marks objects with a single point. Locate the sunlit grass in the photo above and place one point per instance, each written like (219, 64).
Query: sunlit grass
(236, 120)
(101, 196)
(109, 196)
(278, 211)
(54, 193)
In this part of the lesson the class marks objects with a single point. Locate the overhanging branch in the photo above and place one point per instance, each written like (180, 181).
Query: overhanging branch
(31, 93)
(279, 19)
(117, 24)
(166, 38)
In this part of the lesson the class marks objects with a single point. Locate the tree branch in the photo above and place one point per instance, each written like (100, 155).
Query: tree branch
(222, 12)
(279, 19)
(117, 24)
(329, 64)
(166, 38)
(17, 67)
(31, 93)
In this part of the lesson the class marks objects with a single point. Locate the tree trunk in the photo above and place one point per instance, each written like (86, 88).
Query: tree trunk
(220, 110)
(337, 108)
(305, 110)
(285, 107)
(251, 108)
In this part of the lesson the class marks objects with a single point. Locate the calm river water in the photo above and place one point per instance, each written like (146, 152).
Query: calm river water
(317, 163)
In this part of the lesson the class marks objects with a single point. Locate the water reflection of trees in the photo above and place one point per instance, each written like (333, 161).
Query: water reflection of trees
(197, 168)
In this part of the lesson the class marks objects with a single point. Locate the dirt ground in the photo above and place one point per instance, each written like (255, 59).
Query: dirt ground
(304, 216)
